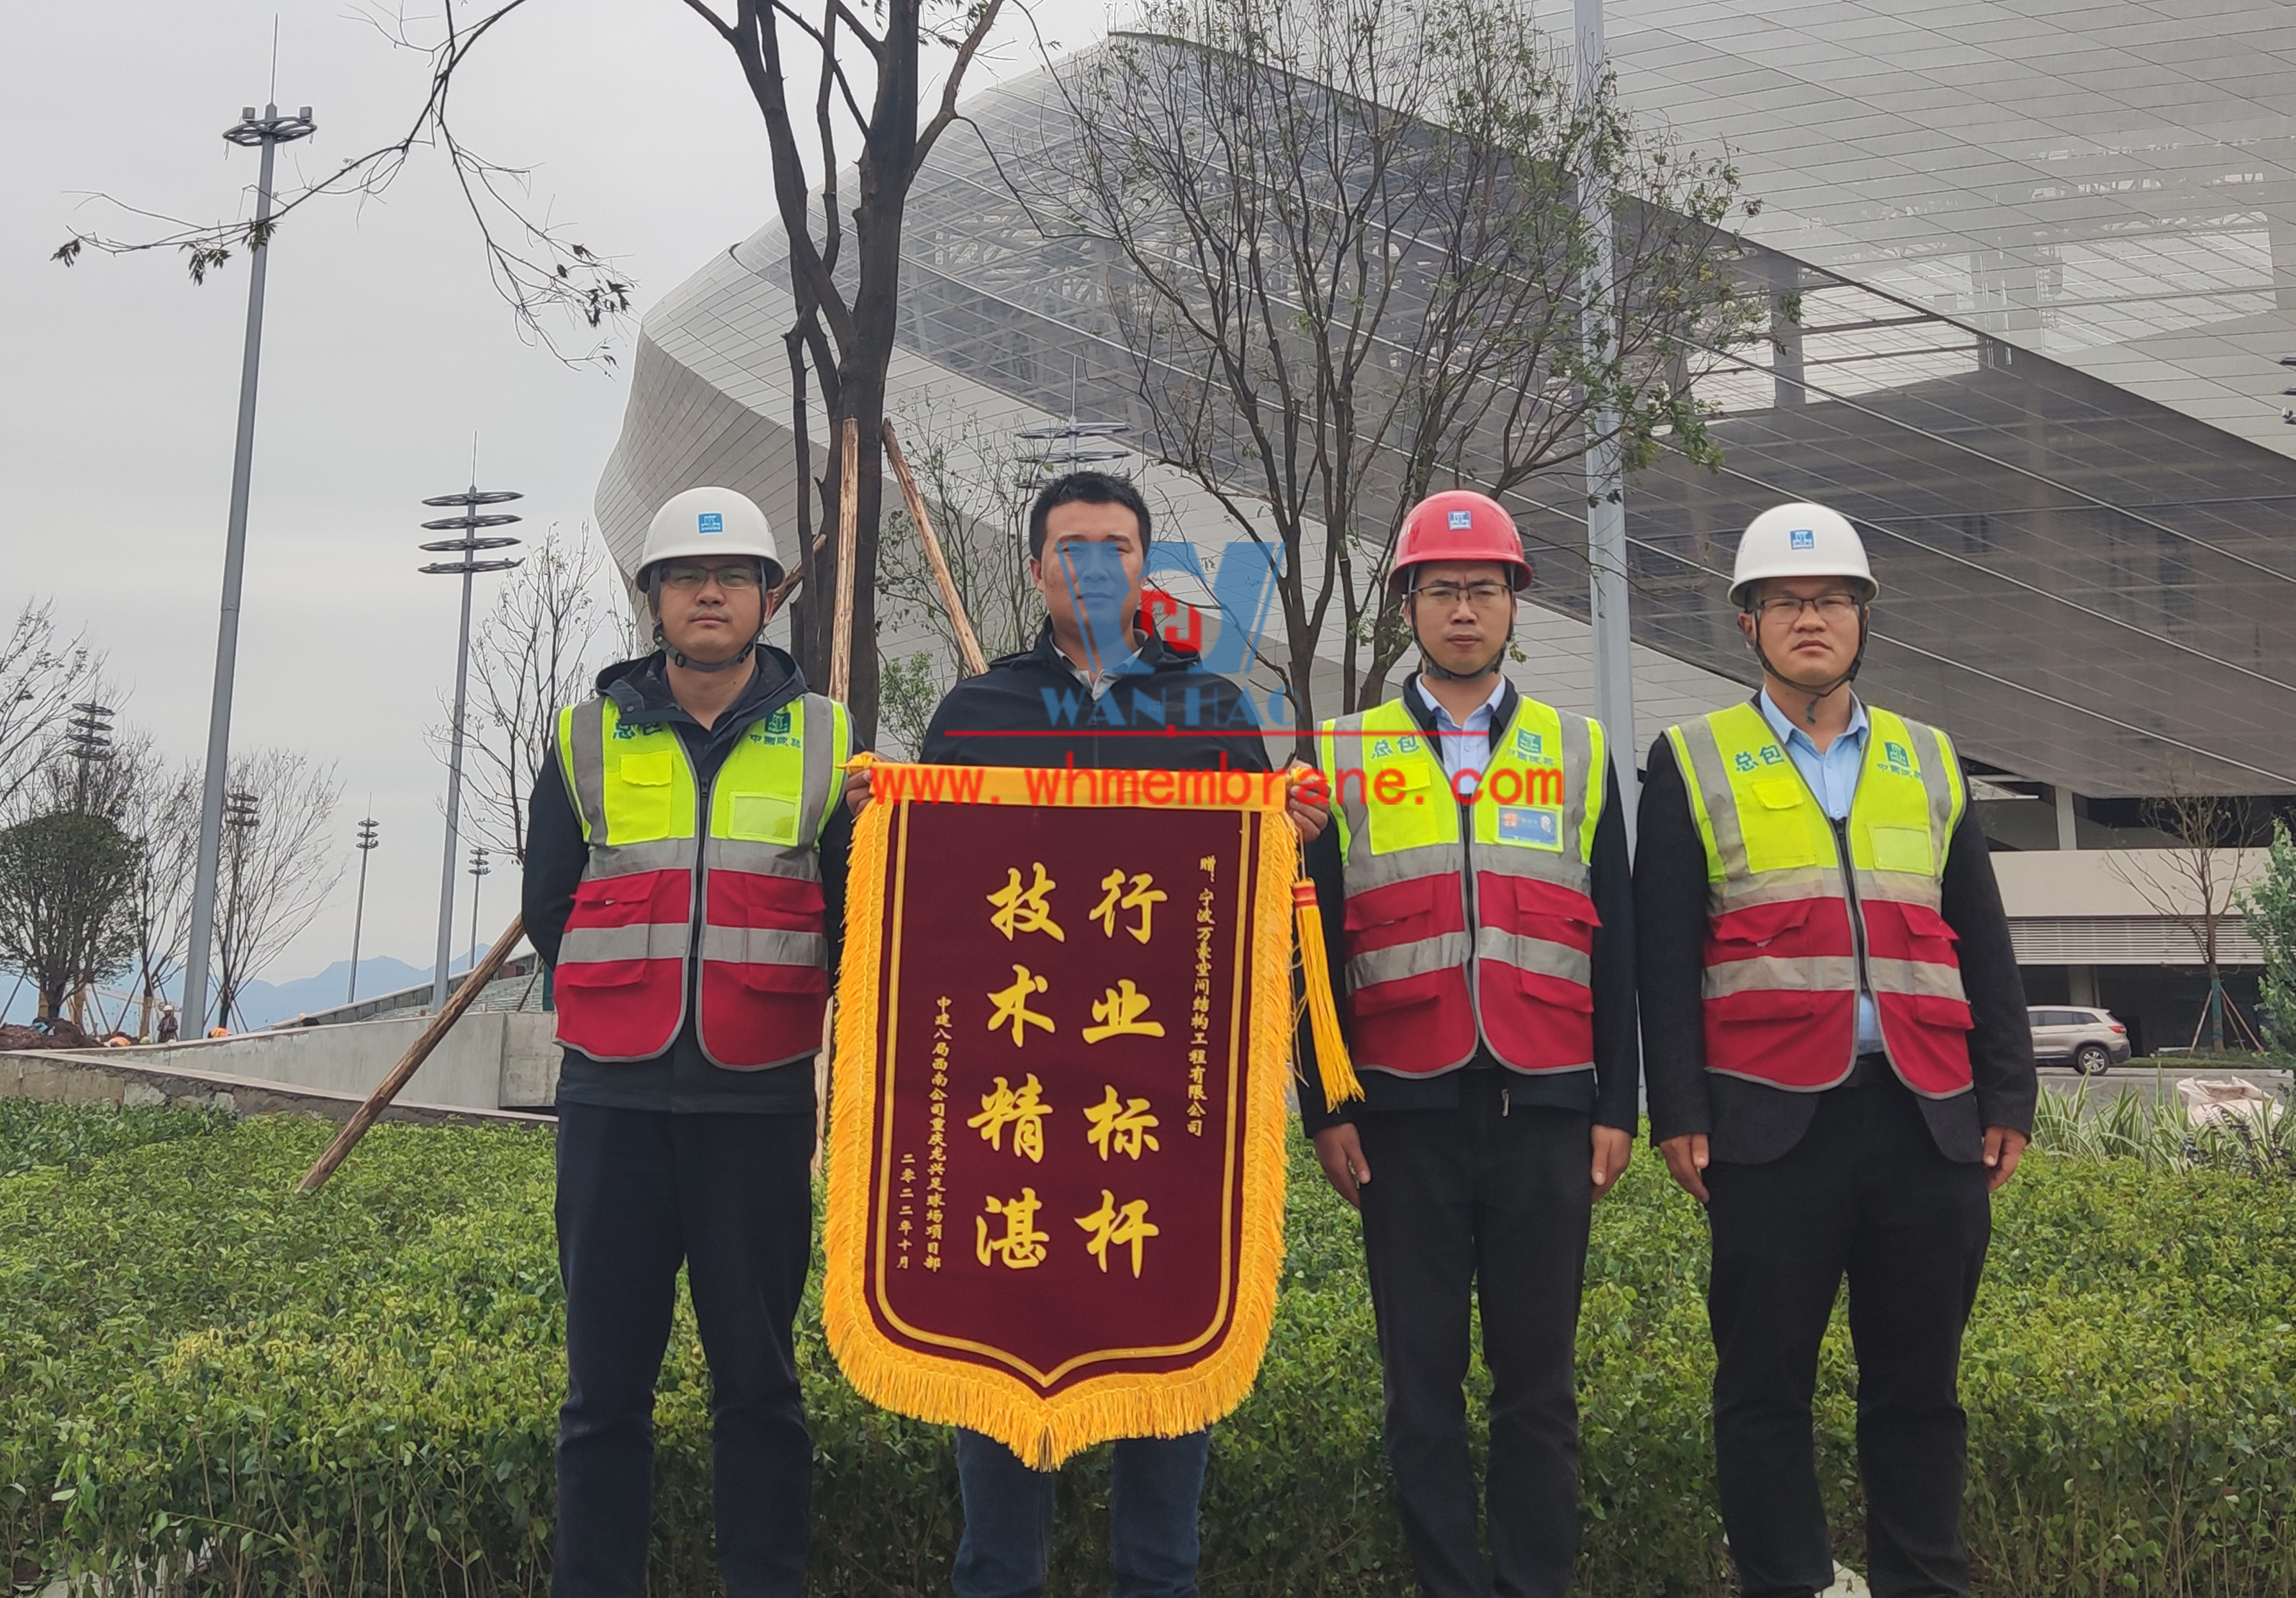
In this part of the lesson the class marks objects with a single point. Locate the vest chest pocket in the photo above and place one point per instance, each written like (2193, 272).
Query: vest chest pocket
(638, 802)
(1407, 810)
(763, 818)
(1902, 848)
(1776, 825)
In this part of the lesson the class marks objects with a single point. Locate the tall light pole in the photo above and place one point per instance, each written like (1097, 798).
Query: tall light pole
(267, 132)
(367, 840)
(479, 869)
(243, 813)
(88, 736)
(468, 546)
(1606, 503)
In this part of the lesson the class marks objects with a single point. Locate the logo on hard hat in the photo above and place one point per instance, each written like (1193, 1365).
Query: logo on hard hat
(1802, 537)
(1461, 520)
(711, 521)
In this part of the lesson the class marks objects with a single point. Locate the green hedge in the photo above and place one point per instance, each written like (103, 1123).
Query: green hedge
(357, 1393)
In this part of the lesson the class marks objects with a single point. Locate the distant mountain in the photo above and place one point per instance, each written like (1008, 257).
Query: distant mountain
(266, 1003)
(263, 1003)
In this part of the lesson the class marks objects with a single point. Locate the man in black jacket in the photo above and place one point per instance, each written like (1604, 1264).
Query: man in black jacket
(1097, 691)
(1839, 1064)
(685, 1100)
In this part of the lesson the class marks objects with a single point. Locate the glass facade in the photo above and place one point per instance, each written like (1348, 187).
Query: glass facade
(2089, 565)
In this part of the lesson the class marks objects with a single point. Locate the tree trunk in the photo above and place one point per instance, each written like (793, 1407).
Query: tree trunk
(813, 624)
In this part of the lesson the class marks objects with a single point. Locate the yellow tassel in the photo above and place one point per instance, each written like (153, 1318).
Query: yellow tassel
(1332, 1063)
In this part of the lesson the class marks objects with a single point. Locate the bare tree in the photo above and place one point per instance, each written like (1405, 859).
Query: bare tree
(277, 872)
(973, 482)
(537, 652)
(39, 669)
(2196, 881)
(1356, 252)
(869, 104)
(162, 812)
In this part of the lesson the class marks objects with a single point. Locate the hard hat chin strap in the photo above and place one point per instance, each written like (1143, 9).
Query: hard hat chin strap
(686, 662)
(1817, 696)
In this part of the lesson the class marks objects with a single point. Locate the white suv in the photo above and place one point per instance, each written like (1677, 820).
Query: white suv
(2089, 1040)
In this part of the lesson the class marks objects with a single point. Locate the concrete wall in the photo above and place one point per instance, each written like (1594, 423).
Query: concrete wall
(106, 1077)
(496, 1060)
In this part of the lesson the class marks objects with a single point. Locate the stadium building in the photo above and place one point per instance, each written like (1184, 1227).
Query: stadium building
(2035, 266)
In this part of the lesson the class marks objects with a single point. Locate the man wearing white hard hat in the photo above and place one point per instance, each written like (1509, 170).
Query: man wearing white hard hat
(685, 877)
(1838, 1062)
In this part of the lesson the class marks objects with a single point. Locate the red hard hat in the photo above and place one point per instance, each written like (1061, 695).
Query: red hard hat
(1457, 524)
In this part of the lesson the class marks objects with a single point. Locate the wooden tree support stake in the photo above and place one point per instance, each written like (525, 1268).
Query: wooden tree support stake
(389, 1088)
(848, 543)
(967, 646)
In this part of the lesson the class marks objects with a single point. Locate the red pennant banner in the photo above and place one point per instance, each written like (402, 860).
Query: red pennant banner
(1056, 1164)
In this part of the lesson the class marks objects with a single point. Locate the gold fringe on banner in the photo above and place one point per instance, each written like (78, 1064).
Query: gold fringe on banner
(1042, 1431)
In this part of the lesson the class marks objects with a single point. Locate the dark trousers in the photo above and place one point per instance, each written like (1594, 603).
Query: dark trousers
(1492, 1201)
(639, 1192)
(1865, 1194)
(1153, 1545)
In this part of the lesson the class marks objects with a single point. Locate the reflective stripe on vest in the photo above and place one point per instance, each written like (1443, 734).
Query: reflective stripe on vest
(1440, 962)
(759, 924)
(1788, 935)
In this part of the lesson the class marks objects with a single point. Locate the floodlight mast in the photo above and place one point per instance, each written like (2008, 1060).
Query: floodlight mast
(267, 132)
(468, 546)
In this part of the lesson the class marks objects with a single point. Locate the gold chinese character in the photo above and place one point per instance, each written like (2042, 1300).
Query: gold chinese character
(1023, 1110)
(1022, 1246)
(1120, 1013)
(1012, 1005)
(1143, 895)
(1123, 1125)
(1025, 909)
(1109, 1224)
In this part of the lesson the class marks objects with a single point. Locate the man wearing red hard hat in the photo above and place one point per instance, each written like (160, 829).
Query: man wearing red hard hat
(1475, 880)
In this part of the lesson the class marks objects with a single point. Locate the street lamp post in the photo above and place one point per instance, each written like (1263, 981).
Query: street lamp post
(479, 869)
(1606, 503)
(469, 547)
(367, 840)
(267, 132)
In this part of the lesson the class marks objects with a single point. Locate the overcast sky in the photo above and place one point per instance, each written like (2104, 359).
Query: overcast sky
(385, 351)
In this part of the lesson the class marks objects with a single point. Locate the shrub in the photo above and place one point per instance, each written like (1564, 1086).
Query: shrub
(355, 1393)
(33, 1134)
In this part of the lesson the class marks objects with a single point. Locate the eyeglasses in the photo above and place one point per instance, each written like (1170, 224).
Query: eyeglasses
(1787, 607)
(677, 574)
(1483, 596)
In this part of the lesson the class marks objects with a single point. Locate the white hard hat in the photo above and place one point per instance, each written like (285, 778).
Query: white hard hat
(701, 522)
(1800, 540)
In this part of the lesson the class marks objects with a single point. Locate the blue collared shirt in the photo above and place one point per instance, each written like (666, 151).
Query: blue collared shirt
(1455, 742)
(1833, 776)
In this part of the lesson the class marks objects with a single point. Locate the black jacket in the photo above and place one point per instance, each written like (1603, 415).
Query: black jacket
(1613, 1091)
(1031, 710)
(1749, 1123)
(681, 1079)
